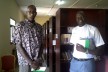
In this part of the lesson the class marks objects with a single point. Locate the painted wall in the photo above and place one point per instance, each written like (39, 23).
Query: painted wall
(8, 8)
(42, 19)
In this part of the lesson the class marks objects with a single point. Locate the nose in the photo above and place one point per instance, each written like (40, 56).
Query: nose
(80, 20)
(31, 14)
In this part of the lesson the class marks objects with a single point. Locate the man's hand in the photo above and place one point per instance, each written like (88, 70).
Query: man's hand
(36, 64)
(80, 48)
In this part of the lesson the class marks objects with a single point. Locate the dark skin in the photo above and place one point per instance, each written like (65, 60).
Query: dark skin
(80, 18)
(31, 14)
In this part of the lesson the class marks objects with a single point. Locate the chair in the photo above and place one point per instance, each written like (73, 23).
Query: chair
(8, 63)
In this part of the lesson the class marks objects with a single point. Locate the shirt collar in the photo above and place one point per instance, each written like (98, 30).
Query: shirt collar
(29, 23)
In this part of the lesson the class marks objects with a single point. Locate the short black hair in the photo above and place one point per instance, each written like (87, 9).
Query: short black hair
(32, 6)
(82, 13)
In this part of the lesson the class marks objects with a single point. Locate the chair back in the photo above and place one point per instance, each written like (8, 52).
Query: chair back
(8, 62)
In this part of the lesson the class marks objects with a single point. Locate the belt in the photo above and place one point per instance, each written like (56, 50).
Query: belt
(82, 59)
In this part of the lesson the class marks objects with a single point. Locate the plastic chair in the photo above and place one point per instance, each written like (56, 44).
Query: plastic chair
(8, 63)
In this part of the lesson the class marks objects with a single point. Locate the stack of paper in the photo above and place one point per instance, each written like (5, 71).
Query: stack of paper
(41, 69)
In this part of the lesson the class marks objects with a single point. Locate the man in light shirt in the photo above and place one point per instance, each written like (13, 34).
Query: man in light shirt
(83, 58)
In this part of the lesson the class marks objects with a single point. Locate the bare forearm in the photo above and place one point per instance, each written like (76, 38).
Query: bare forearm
(98, 51)
(93, 52)
(23, 53)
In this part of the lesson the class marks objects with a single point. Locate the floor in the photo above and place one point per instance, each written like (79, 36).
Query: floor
(17, 68)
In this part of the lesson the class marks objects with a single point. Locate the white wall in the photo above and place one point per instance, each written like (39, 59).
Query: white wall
(42, 19)
(8, 8)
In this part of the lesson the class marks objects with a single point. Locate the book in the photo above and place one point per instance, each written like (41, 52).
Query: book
(87, 43)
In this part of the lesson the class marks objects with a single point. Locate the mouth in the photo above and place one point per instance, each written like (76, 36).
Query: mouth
(31, 18)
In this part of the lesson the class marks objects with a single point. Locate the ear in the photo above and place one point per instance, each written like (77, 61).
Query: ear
(26, 12)
(36, 13)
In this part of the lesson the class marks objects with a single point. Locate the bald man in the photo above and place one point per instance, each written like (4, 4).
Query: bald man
(28, 39)
(83, 57)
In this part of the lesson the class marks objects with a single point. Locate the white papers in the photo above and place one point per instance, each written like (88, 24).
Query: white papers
(40, 69)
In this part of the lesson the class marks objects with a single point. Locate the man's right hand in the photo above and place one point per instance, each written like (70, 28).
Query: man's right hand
(80, 48)
(36, 64)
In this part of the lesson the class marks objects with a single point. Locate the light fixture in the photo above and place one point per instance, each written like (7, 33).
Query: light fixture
(59, 2)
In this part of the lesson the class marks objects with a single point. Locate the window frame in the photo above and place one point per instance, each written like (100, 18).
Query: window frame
(12, 27)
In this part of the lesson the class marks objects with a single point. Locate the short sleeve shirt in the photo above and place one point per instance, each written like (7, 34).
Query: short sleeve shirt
(85, 32)
(30, 36)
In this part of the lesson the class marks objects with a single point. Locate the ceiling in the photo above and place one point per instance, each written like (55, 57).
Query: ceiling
(48, 7)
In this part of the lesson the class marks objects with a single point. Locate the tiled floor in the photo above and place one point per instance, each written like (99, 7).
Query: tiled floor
(17, 68)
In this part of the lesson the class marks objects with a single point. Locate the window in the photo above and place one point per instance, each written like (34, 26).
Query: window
(12, 26)
(12, 22)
